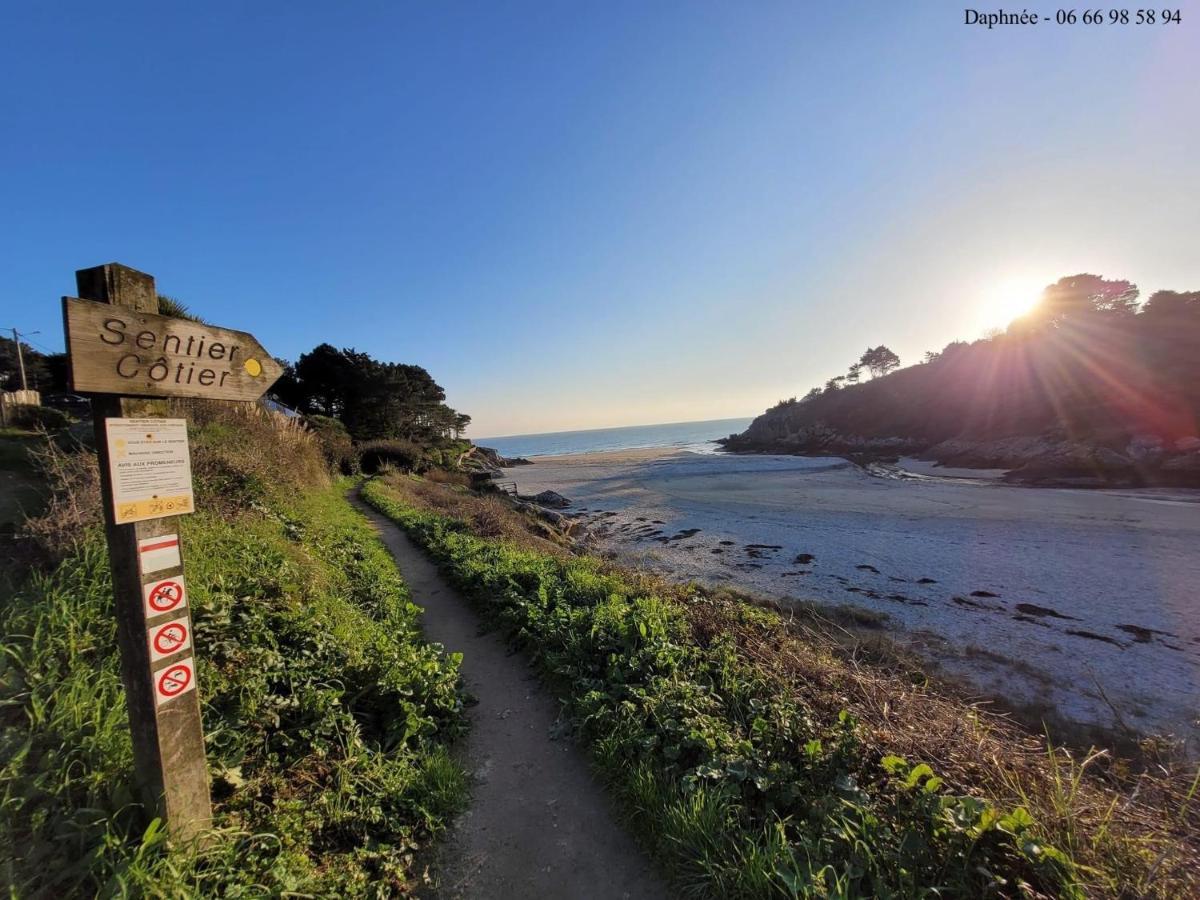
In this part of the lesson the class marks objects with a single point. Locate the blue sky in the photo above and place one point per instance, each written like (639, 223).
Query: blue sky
(580, 215)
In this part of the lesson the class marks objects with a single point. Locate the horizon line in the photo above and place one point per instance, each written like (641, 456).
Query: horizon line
(610, 428)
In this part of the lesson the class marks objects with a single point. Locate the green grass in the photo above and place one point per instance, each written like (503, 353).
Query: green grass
(326, 718)
(740, 788)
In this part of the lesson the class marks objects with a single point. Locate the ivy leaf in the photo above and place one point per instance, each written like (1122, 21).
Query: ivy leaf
(915, 776)
(1016, 821)
(893, 764)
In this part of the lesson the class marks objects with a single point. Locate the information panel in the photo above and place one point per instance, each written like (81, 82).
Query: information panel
(150, 467)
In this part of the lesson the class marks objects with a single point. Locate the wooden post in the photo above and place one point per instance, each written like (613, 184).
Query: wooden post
(20, 359)
(168, 741)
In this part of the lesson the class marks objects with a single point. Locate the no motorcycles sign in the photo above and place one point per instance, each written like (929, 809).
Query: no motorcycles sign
(174, 681)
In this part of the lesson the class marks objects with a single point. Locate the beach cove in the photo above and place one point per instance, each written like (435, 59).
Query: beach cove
(1081, 603)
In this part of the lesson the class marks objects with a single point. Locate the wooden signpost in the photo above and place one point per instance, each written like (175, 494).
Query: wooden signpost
(118, 347)
(140, 354)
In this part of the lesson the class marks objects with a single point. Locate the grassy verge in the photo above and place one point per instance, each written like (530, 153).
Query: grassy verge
(326, 716)
(757, 757)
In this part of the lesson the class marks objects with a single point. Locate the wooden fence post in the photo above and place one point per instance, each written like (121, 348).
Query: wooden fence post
(168, 741)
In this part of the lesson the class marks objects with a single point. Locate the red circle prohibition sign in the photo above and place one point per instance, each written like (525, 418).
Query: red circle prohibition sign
(174, 681)
(166, 596)
(170, 637)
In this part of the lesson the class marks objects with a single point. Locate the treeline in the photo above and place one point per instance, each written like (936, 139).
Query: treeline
(44, 372)
(47, 372)
(373, 399)
(1088, 363)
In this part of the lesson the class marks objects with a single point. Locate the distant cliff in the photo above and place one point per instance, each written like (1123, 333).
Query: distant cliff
(1087, 390)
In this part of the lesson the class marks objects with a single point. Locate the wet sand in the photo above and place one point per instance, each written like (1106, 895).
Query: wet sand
(1083, 600)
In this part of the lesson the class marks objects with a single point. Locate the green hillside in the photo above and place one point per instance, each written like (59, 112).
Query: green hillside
(1090, 383)
(327, 718)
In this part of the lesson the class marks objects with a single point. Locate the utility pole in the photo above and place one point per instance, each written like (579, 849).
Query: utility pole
(20, 358)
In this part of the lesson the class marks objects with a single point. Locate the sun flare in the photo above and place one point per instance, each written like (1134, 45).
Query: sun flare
(1010, 298)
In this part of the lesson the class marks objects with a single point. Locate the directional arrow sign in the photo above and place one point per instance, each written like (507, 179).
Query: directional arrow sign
(117, 350)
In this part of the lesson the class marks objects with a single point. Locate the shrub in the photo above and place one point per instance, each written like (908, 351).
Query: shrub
(336, 444)
(42, 418)
(446, 454)
(488, 514)
(244, 455)
(448, 476)
(73, 479)
(403, 455)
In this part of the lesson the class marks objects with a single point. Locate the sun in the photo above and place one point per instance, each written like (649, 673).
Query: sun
(1010, 298)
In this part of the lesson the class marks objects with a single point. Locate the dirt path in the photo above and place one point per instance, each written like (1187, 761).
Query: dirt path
(539, 826)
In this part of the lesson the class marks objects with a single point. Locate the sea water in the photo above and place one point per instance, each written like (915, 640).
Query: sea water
(698, 437)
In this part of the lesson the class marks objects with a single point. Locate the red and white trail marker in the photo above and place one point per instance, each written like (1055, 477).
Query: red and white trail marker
(169, 638)
(174, 681)
(168, 595)
(158, 553)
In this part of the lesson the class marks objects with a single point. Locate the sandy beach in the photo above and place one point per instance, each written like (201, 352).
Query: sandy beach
(1081, 600)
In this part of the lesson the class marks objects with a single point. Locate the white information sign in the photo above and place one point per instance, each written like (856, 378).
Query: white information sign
(150, 467)
(158, 553)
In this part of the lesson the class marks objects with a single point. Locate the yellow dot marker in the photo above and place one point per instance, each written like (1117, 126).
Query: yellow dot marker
(253, 367)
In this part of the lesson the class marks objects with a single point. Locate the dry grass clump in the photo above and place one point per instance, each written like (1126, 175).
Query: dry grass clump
(1136, 832)
(447, 476)
(73, 480)
(489, 515)
(242, 452)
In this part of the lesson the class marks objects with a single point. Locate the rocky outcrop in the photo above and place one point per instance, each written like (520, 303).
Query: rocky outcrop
(485, 459)
(1188, 445)
(1047, 459)
(1029, 456)
(1188, 463)
(570, 526)
(1051, 458)
(772, 436)
(549, 500)
(1007, 453)
(1079, 465)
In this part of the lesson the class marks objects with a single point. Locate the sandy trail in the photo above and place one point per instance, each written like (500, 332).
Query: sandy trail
(1084, 601)
(538, 824)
